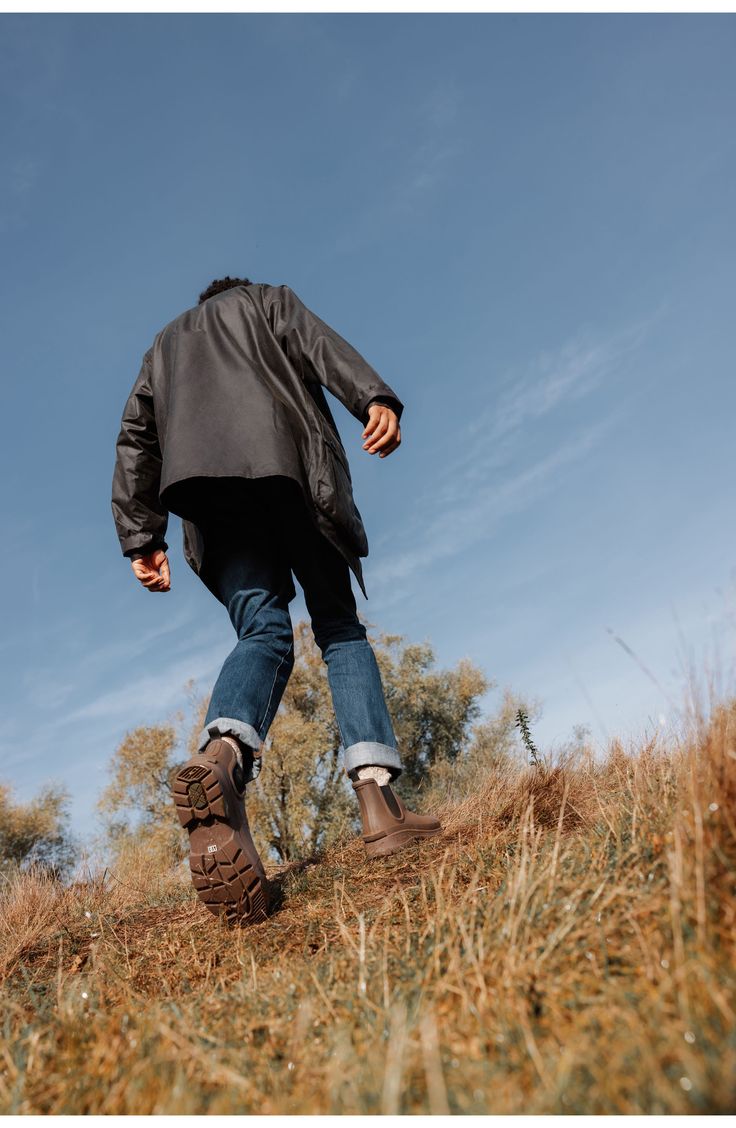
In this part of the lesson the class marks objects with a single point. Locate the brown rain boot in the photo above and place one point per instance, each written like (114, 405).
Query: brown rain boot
(387, 824)
(227, 873)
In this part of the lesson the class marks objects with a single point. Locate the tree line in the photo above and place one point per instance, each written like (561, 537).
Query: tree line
(301, 802)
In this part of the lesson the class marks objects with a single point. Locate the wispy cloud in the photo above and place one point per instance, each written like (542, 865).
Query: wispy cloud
(34, 60)
(430, 158)
(140, 698)
(464, 523)
(25, 171)
(45, 689)
(491, 478)
(151, 692)
(553, 379)
(118, 651)
(421, 165)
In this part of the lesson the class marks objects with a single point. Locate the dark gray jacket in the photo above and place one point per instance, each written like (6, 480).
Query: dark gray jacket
(234, 388)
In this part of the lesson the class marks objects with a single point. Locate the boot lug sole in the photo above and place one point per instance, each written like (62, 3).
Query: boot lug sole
(397, 840)
(227, 873)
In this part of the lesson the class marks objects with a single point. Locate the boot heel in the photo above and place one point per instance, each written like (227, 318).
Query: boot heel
(198, 795)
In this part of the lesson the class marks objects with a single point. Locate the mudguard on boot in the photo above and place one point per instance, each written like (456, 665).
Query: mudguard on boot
(227, 873)
(388, 826)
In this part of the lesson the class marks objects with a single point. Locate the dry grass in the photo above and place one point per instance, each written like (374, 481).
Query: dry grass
(566, 947)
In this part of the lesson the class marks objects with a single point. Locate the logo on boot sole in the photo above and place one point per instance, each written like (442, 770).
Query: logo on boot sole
(195, 771)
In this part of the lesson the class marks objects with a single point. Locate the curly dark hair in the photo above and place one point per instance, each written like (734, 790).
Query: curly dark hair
(221, 284)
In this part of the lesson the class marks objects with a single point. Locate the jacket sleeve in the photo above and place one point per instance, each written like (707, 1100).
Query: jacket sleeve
(390, 401)
(307, 340)
(140, 519)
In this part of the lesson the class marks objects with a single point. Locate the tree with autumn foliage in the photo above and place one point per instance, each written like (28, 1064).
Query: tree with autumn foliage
(36, 833)
(136, 804)
(301, 802)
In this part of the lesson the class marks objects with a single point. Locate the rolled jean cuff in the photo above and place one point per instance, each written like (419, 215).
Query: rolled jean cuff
(246, 734)
(367, 752)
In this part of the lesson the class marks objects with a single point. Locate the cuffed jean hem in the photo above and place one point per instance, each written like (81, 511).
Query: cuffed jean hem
(371, 752)
(231, 726)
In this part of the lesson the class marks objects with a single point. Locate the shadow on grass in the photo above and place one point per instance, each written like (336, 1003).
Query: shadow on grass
(286, 878)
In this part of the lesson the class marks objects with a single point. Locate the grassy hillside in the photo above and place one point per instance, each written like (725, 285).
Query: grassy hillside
(568, 946)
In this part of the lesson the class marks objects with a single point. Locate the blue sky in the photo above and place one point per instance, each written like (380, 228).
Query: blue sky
(524, 222)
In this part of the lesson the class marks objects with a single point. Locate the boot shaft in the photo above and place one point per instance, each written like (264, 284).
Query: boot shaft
(379, 806)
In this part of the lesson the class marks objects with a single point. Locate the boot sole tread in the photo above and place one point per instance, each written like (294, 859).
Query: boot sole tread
(223, 860)
(393, 841)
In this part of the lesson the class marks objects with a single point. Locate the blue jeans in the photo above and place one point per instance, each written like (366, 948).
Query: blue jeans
(255, 532)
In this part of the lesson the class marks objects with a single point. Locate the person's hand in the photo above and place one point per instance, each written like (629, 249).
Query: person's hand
(382, 433)
(153, 571)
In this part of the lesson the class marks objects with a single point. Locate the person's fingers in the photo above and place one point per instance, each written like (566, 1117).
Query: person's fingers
(377, 413)
(144, 573)
(390, 449)
(384, 438)
(384, 427)
(156, 577)
(161, 562)
(373, 417)
(394, 441)
(150, 577)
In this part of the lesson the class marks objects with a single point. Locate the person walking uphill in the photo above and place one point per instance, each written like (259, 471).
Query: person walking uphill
(227, 425)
